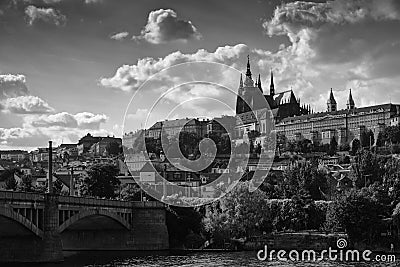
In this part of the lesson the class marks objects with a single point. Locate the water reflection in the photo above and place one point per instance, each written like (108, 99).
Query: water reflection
(155, 259)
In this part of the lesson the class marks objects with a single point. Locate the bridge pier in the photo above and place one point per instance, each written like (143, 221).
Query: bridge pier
(51, 243)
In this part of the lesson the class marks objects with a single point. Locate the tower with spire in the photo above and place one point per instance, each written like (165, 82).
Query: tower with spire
(272, 86)
(350, 102)
(331, 103)
(248, 82)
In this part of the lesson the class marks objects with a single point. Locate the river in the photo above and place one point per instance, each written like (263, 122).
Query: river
(108, 259)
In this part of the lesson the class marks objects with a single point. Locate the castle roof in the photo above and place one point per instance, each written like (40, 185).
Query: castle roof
(350, 100)
(285, 97)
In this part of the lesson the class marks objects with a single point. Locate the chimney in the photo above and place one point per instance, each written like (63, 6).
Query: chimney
(50, 170)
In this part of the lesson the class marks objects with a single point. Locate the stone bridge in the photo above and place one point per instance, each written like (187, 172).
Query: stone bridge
(39, 227)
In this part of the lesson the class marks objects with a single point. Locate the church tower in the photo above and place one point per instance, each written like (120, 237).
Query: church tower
(332, 105)
(350, 102)
(248, 82)
(272, 86)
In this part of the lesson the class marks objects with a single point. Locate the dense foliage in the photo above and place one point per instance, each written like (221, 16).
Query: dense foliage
(100, 181)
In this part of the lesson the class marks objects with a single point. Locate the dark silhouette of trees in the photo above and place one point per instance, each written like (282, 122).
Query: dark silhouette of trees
(355, 146)
(332, 146)
(100, 181)
(11, 183)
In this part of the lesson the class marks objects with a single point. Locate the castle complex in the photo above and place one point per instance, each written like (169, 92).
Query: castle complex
(297, 121)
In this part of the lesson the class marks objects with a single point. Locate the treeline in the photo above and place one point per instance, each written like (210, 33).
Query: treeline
(305, 198)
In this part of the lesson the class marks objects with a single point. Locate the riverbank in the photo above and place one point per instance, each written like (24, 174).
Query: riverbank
(294, 240)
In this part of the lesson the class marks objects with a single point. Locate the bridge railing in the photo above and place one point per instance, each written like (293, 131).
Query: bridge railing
(87, 201)
(20, 196)
(80, 201)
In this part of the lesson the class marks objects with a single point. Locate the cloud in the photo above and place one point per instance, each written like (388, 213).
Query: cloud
(93, 1)
(36, 130)
(15, 96)
(130, 77)
(12, 85)
(338, 44)
(26, 105)
(83, 120)
(48, 15)
(119, 36)
(291, 17)
(163, 25)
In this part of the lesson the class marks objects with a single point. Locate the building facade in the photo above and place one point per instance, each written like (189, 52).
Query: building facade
(343, 125)
(13, 155)
(174, 127)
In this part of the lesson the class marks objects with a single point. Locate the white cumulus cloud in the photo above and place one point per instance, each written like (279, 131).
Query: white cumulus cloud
(163, 25)
(119, 36)
(12, 85)
(48, 15)
(26, 105)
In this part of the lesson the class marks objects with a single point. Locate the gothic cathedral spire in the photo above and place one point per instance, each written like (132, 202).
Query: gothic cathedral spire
(248, 72)
(272, 86)
(248, 82)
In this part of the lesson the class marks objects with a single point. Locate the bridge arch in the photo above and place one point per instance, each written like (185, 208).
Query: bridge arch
(88, 213)
(16, 217)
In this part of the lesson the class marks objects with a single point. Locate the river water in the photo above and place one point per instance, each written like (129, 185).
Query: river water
(107, 259)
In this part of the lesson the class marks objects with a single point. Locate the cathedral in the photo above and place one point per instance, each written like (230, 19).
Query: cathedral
(251, 97)
(251, 104)
(297, 121)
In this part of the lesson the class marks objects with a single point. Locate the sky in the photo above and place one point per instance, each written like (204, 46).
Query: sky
(69, 67)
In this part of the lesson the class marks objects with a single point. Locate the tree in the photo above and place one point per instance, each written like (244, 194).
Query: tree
(396, 217)
(184, 226)
(371, 138)
(239, 213)
(304, 146)
(367, 138)
(359, 214)
(304, 176)
(131, 192)
(380, 140)
(26, 183)
(100, 181)
(281, 141)
(11, 183)
(366, 169)
(114, 148)
(189, 143)
(355, 146)
(332, 146)
(253, 134)
(271, 142)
